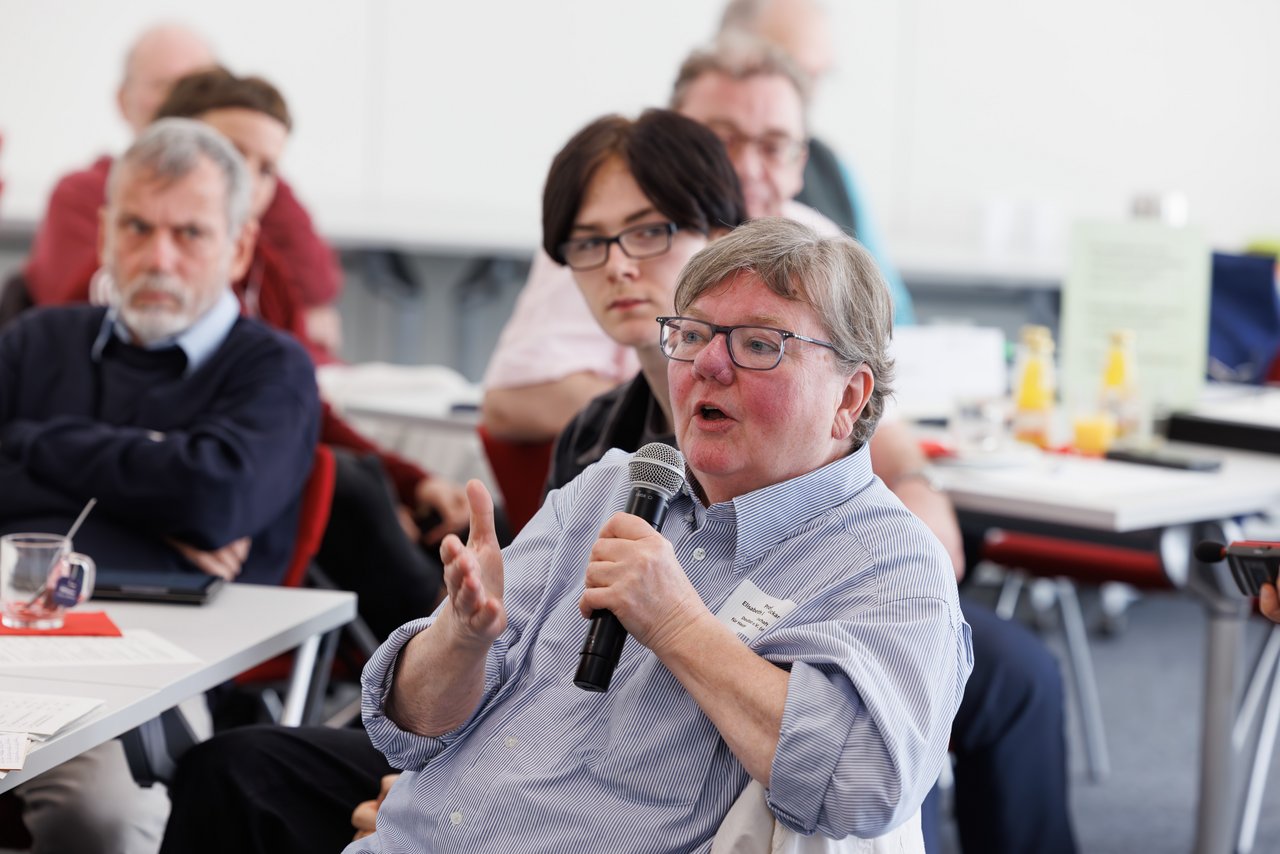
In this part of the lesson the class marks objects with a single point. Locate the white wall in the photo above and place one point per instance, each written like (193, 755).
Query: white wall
(435, 121)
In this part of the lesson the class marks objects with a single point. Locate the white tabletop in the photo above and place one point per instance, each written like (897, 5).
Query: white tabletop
(426, 413)
(1112, 496)
(1246, 405)
(243, 626)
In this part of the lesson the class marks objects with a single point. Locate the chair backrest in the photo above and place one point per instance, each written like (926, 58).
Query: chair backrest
(317, 497)
(1244, 318)
(521, 471)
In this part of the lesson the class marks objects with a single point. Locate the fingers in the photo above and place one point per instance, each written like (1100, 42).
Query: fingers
(405, 517)
(588, 604)
(388, 780)
(222, 563)
(240, 548)
(1269, 602)
(462, 579)
(454, 514)
(483, 531)
(627, 527)
(364, 819)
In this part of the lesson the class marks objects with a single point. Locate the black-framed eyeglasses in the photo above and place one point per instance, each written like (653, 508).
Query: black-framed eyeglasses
(647, 240)
(754, 348)
(777, 148)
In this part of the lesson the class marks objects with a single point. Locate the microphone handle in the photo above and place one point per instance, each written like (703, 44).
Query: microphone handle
(603, 646)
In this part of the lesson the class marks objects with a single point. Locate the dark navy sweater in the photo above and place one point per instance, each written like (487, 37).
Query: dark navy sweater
(204, 459)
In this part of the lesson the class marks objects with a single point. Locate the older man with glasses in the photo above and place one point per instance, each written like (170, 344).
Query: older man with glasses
(193, 427)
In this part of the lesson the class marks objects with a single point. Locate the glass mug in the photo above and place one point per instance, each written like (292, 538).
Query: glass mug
(40, 578)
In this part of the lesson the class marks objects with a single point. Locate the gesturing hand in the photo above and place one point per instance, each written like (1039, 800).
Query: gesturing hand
(634, 573)
(1269, 602)
(473, 576)
(435, 494)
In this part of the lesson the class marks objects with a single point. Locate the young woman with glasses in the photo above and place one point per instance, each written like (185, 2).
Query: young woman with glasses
(627, 203)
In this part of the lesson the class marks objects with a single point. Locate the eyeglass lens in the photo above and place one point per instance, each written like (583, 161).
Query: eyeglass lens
(756, 348)
(638, 242)
(774, 147)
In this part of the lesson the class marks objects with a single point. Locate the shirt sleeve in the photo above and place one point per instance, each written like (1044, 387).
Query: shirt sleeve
(407, 750)
(528, 564)
(64, 253)
(868, 714)
(552, 334)
(311, 264)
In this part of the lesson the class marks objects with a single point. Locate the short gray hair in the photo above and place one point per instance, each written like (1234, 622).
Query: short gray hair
(835, 276)
(171, 148)
(741, 15)
(740, 56)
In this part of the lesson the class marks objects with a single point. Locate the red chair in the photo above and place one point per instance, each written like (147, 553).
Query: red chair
(520, 469)
(1062, 562)
(317, 498)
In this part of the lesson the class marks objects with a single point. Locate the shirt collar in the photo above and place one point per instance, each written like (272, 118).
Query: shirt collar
(198, 341)
(763, 518)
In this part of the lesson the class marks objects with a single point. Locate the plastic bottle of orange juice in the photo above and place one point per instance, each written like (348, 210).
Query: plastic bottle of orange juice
(1119, 396)
(1033, 396)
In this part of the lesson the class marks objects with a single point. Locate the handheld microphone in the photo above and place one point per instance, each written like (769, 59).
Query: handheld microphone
(1253, 563)
(657, 472)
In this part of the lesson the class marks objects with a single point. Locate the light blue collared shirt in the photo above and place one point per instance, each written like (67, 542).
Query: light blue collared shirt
(198, 341)
(862, 612)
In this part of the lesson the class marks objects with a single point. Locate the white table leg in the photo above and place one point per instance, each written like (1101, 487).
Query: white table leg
(304, 666)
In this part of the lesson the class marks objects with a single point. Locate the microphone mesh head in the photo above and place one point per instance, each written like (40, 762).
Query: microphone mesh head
(659, 466)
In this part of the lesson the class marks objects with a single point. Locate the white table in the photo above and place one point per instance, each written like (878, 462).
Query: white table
(426, 413)
(243, 626)
(1184, 507)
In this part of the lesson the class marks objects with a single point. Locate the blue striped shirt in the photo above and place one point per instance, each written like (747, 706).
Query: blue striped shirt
(877, 650)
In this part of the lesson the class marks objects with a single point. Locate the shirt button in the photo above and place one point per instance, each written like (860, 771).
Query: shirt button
(511, 742)
(455, 819)
(699, 554)
(689, 518)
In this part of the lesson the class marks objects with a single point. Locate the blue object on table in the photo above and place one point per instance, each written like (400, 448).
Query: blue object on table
(1244, 318)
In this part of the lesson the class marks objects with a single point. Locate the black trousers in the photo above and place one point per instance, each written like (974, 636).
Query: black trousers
(272, 789)
(1010, 747)
(366, 551)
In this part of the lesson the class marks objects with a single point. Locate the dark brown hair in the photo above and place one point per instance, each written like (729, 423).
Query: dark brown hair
(219, 89)
(680, 166)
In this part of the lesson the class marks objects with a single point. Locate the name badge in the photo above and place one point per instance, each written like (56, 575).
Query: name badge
(749, 610)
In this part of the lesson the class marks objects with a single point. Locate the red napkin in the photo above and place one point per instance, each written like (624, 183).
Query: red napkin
(933, 449)
(75, 623)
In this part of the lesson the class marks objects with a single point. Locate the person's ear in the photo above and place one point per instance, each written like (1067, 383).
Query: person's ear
(853, 399)
(716, 233)
(242, 250)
